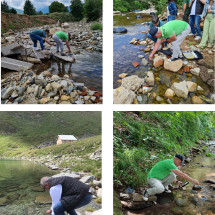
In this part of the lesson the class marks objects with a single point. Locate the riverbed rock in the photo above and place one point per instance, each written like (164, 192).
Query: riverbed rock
(99, 193)
(174, 66)
(7, 93)
(132, 82)
(135, 64)
(158, 61)
(125, 97)
(169, 92)
(23, 186)
(123, 75)
(139, 198)
(207, 100)
(44, 199)
(197, 100)
(197, 187)
(37, 189)
(182, 202)
(180, 89)
(195, 71)
(205, 75)
(150, 78)
(125, 196)
(147, 50)
(56, 85)
(144, 62)
(115, 92)
(3, 201)
(119, 30)
(191, 86)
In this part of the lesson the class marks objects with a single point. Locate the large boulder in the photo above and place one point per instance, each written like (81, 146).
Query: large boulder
(132, 82)
(192, 86)
(205, 75)
(125, 96)
(120, 30)
(180, 89)
(158, 61)
(174, 66)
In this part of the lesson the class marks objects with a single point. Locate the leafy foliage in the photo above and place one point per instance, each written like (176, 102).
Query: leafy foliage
(76, 9)
(96, 26)
(56, 6)
(29, 8)
(5, 8)
(39, 12)
(139, 135)
(92, 9)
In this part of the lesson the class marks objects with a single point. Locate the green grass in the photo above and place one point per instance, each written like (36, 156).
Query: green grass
(99, 200)
(2, 31)
(11, 26)
(96, 26)
(38, 22)
(65, 17)
(116, 204)
(90, 209)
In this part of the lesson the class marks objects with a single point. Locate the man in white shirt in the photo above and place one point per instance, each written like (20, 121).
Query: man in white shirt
(67, 194)
(196, 9)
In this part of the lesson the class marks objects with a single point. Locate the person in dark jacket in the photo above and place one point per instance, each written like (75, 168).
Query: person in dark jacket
(196, 9)
(172, 10)
(67, 194)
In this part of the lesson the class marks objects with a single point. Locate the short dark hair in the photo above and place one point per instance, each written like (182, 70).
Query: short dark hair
(69, 36)
(47, 30)
(155, 19)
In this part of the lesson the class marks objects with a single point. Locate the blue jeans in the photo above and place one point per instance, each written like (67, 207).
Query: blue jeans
(155, 39)
(59, 209)
(196, 19)
(171, 17)
(34, 38)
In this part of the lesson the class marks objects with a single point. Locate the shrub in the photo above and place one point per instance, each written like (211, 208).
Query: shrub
(92, 9)
(2, 31)
(96, 26)
(77, 10)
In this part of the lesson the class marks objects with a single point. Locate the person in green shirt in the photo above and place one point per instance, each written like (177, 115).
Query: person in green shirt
(185, 10)
(39, 35)
(58, 37)
(176, 31)
(163, 174)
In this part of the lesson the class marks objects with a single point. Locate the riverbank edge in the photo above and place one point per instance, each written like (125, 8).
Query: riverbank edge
(118, 207)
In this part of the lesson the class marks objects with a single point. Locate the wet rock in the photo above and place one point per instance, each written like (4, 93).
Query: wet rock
(197, 187)
(212, 186)
(210, 101)
(48, 87)
(7, 93)
(132, 82)
(135, 64)
(3, 201)
(147, 50)
(44, 199)
(22, 195)
(125, 97)
(150, 78)
(195, 71)
(197, 100)
(205, 75)
(21, 90)
(182, 202)
(169, 93)
(56, 85)
(64, 98)
(209, 181)
(14, 94)
(192, 86)
(37, 189)
(158, 61)
(180, 89)
(125, 196)
(174, 66)
(139, 198)
(23, 186)
(119, 30)
(123, 75)
(159, 99)
(144, 62)
(140, 56)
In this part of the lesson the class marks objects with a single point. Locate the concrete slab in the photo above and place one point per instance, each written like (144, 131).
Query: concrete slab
(29, 51)
(12, 49)
(15, 65)
(64, 58)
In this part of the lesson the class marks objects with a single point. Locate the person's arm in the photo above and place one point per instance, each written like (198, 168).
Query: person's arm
(184, 8)
(67, 44)
(55, 193)
(47, 41)
(184, 176)
(172, 38)
(157, 45)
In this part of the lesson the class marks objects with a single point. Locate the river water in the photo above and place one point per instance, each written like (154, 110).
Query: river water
(198, 202)
(124, 54)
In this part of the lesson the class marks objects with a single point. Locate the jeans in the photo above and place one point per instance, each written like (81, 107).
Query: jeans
(171, 17)
(196, 19)
(155, 39)
(59, 43)
(34, 38)
(158, 185)
(59, 209)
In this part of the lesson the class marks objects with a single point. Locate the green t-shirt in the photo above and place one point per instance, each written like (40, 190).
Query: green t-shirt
(187, 10)
(162, 169)
(39, 32)
(175, 26)
(62, 35)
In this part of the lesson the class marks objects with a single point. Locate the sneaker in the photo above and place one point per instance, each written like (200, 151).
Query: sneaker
(191, 34)
(63, 54)
(210, 45)
(180, 57)
(197, 38)
(200, 46)
(172, 59)
(167, 189)
(145, 196)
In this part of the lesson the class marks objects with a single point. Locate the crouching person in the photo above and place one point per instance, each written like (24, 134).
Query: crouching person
(67, 194)
(163, 174)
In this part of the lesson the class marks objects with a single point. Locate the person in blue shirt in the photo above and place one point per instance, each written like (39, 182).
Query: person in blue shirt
(157, 23)
(172, 10)
(39, 35)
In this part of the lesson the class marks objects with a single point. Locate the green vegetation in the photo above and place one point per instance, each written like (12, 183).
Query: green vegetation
(11, 26)
(117, 208)
(65, 17)
(76, 9)
(2, 31)
(96, 26)
(39, 12)
(139, 135)
(5, 8)
(99, 200)
(90, 209)
(92, 9)
(29, 8)
(56, 6)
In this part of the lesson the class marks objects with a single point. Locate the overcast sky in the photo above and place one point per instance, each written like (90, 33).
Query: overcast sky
(38, 4)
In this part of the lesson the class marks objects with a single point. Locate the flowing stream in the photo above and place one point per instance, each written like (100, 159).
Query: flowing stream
(194, 202)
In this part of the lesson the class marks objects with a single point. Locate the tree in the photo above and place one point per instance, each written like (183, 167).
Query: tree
(12, 10)
(92, 9)
(57, 7)
(29, 8)
(76, 8)
(39, 12)
(5, 7)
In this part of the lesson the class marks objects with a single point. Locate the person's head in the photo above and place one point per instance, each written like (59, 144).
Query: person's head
(69, 36)
(44, 182)
(179, 160)
(47, 31)
(155, 32)
(155, 20)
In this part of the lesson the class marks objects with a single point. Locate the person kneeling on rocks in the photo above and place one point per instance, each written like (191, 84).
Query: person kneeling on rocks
(163, 174)
(176, 31)
(67, 194)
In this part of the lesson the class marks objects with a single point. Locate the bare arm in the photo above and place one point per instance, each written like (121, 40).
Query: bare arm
(172, 38)
(184, 8)
(47, 41)
(67, 44)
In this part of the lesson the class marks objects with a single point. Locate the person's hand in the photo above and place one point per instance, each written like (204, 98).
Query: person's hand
(179, 183)
(195, 182)
(209, 11)
(49, 211)
(69, 51)
(163, 40)
(202, 19)
(182, 14)
(150, 56)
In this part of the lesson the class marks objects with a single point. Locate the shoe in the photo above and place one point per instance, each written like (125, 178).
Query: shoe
(200, 46)
(63, 54)
(180, 57)
(191, 34)
(197, 38)
(172, 59)
(145, 196)
(210, 45)
(167, 190)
